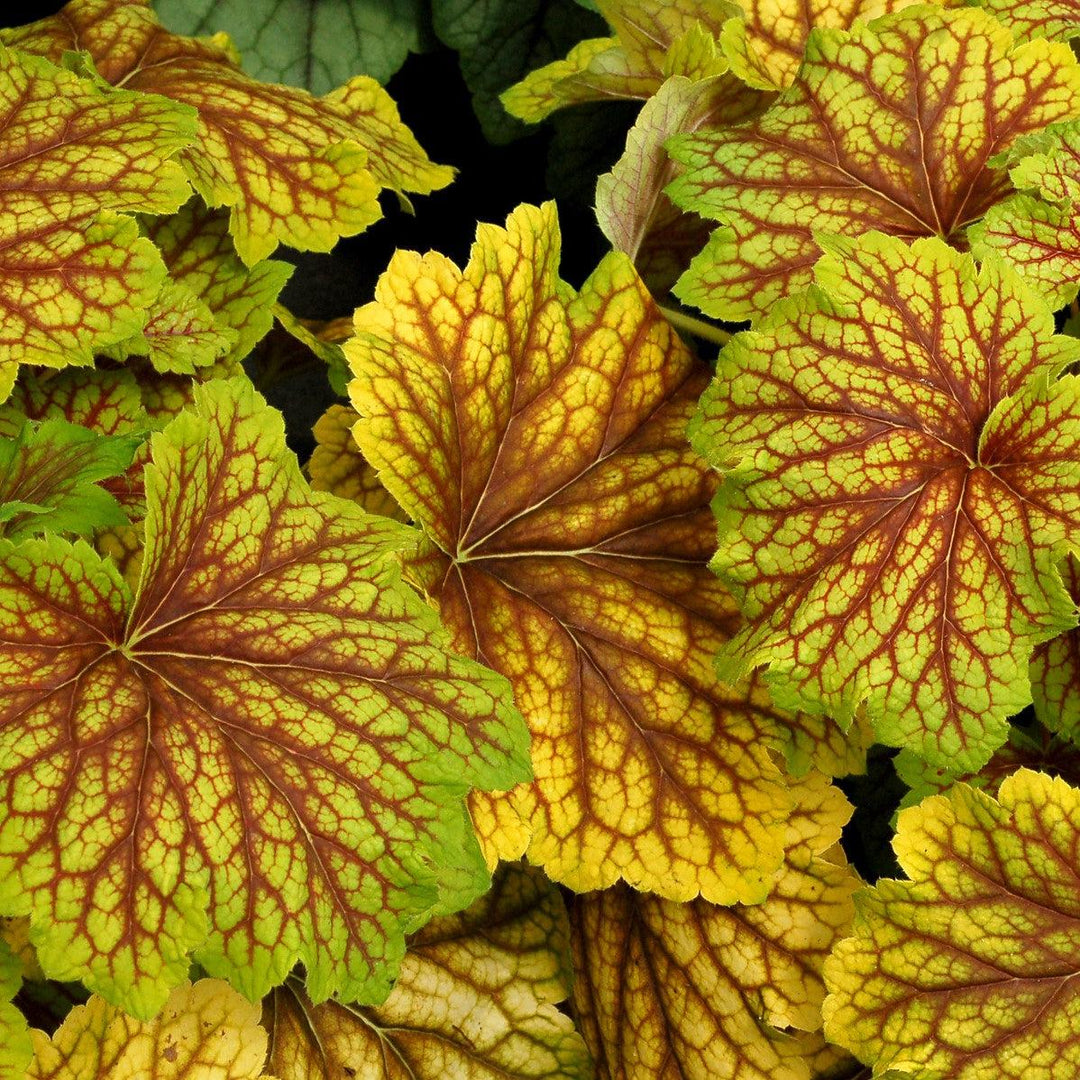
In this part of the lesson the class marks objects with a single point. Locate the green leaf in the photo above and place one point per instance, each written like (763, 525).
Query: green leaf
(74, 275)
(15, 1047)
(854, 145)
(316, 44)
(499, 41)
(48, 479)
(261, 756)
(905, 474)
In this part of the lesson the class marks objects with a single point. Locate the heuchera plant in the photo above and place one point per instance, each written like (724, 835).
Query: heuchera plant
(513, 734)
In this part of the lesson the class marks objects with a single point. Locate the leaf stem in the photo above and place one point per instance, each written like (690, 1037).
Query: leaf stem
(698, 328)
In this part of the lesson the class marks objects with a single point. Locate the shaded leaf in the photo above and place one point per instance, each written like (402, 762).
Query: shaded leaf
(205, 1032)
(476, 1000)
(855, 144)
(15, 1046)
(1055, 671)
(260, 757)
(316, 44)
(905, 474)
(74, 276)
(695, 992)
(968, 969)
(499, 41)
(1057, 19)
(49, 475)
(537, 436)
(653, 40)
(292, 168)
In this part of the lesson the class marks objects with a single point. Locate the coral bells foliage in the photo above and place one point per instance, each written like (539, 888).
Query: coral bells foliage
(509, 735)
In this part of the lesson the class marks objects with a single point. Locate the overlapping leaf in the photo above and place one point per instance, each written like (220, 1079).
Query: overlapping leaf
(666, 990)
(74, 276)
(235, 301)
(15, 1047)
(292, 168)
(340, 38)
(537, 435)
(49, 473)
(106, 402)
(1055, 671)
(205, 1031)
(888, 126)
(907, 471)
(260, 756)
(1058, 19)
(766, 42)
(476, 1000)
(970, 968)
(653, 39)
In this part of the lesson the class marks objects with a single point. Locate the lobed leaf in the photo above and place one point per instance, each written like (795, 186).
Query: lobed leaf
(1055, 671)
(969, 969)
(259, 757)
(340, 38)
(292, 168)
(15, 1046)
(653, 40)
(905, 473)
(74, 277)
(888, 126)
(1056, 19)
(694, 991)
(49, 474)
(205, 1032)
(536, 435)
(477, 1000)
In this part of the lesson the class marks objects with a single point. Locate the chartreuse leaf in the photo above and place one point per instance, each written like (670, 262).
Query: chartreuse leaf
(968, 969)
(292, 168)
(199, 253)
(905, 473)
(653, 39)
(74, 277)
(854, 144)
(105, 402)
(338, 39)
(701, 992)
(261, 755)
(477, 1000)
(49, 473)
(537, 436)
(205, 1032)
(15, 1047)
(766, 42)
(1055, 671)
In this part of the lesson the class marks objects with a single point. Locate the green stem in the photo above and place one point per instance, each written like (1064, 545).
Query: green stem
(698, 328)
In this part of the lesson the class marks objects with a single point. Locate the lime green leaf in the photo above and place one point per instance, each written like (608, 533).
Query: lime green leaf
(261, 755)
(854, 144)
(327, 350)
(1055, 671)
(205, 1032)
(108, 402)
(49, 473)
(292, 168)
(498, 41)
(968, 969)
(316, 44)
(653, 39)
(476, 1000)
(199, 254)
(536, 434)
(15, 1046)
(74, 277)
(1035, 748)
(905, 472)
(698, 992)
(632, 209)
